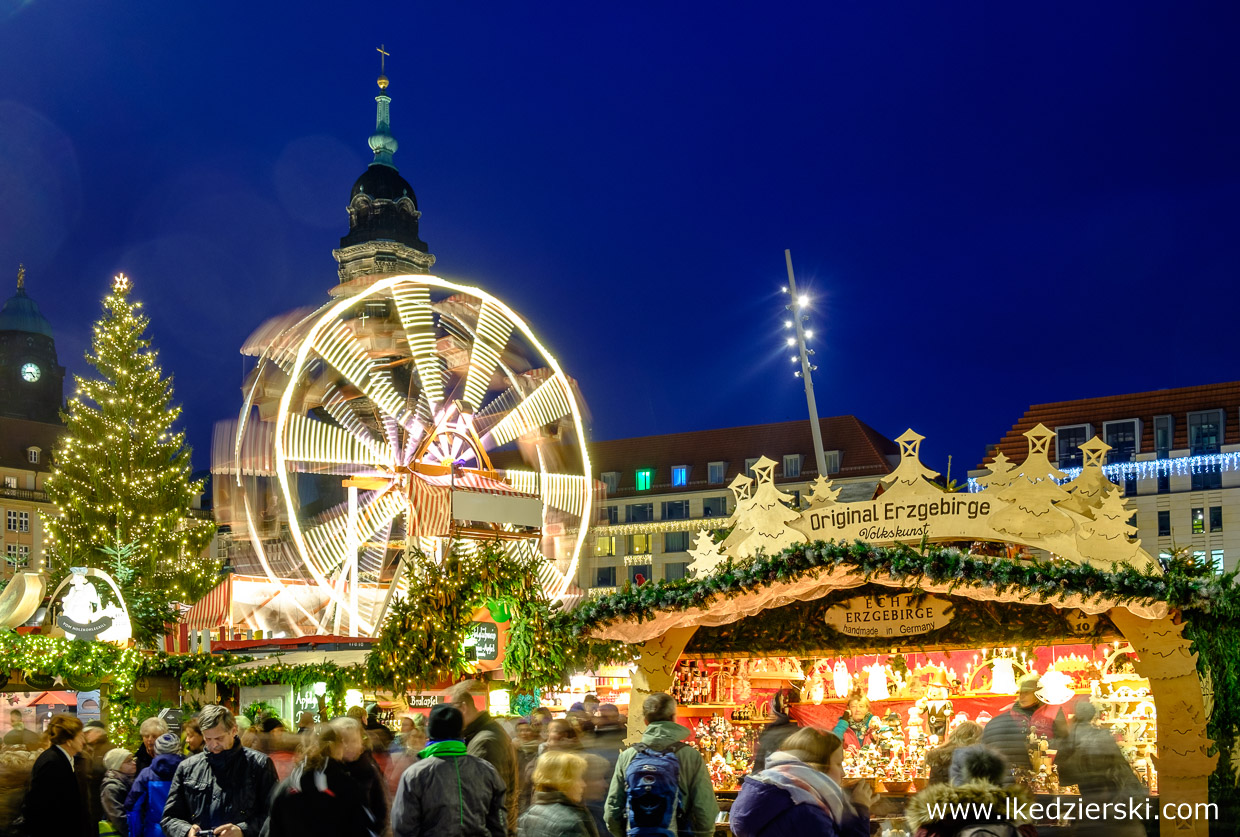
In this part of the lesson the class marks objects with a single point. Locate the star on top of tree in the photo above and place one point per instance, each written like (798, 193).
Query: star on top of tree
(706, 554)
(121, 283)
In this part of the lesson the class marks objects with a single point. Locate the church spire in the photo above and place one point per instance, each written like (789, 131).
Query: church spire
(381, 141)
(21, 277)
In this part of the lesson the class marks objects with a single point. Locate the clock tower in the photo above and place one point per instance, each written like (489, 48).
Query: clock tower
(31, 379)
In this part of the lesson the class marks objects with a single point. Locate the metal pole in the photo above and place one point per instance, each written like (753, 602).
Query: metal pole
(795, 308)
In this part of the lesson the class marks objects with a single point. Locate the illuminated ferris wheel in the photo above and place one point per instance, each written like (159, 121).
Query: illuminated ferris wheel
(403, 414)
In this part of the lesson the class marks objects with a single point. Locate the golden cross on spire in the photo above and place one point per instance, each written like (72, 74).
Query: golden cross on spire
(21, 276)
(383, 56)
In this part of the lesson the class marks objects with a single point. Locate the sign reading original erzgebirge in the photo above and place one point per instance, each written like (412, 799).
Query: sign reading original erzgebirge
(898, 614)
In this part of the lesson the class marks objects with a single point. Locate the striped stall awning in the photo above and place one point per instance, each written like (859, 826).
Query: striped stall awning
(470, 481)
(431, 512)
(213, 610)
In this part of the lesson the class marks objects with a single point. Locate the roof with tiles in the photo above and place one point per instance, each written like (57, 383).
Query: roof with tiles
(863, 452)
(1177, 403)
(19, 435)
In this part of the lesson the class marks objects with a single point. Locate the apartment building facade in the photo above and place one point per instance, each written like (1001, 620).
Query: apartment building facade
(661, 490)
(1174, 452)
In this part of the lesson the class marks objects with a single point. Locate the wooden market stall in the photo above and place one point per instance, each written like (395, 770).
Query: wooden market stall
(920, 586)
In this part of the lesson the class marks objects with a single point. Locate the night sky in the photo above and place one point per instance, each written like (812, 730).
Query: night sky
(992, 204)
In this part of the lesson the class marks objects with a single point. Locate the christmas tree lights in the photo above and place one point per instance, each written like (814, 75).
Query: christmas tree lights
(121, 475)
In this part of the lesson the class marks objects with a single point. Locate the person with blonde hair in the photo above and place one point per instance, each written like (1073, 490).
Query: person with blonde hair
(557, 808)
(151, 729)
(940, 758)
(799, 792)
(318, 797)
(55, 805)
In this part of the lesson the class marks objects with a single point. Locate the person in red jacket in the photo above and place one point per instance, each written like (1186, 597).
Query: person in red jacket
(856, 727)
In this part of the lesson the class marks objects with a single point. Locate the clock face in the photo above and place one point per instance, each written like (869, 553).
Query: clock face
(30, 372)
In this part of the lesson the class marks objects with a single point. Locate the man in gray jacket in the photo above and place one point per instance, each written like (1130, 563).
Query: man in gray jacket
(448, 793)
(487, 739)
(697, 797)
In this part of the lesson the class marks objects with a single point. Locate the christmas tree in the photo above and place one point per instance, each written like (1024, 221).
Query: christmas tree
(121, 475)
(767, 516)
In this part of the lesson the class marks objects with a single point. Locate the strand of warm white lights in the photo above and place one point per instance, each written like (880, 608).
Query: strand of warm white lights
(1180, 466)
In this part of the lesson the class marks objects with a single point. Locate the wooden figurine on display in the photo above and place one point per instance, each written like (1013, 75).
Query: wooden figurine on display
(937, 704)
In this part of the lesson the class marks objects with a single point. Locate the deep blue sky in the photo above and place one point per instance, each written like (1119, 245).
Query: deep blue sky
(993, 204)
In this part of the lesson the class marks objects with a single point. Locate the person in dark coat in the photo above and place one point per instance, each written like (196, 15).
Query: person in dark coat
(780, 727)
(149, 793)
(226, 787)
(1008, 732)
(90, 769)
(318, 797)
(559, 782)
(55, 805)
(487, 739)
(448, 792)
(799, 793)
(359, 763)
(120, 768)
(1090, 758)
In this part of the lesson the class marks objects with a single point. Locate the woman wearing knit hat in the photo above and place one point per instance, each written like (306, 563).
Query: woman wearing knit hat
(145, 803)
(120, 768)
(449, 793)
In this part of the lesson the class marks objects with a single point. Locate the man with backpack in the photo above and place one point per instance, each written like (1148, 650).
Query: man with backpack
(661, 787)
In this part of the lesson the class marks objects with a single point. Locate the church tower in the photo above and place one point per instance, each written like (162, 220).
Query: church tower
(31, 379)
(383, 210)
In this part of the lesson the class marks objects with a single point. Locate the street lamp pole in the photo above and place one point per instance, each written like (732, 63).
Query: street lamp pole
(798, 321)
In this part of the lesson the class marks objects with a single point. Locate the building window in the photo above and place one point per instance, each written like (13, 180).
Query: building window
(716, 472)
(833, 461)
(1216, 518)
(1199, 521)
(605, 577)
(676, 570)
(611, 479)
(1124, 437)
(610, 515)
(32, 454)
(1164, 524)
(680, 475)
(792, 465)
(17, 555)
(1164, 436)
(639, 573)
(1070, 439)
(676, 510)
(639, 513)
(10, 482)
(639, 544)
(676, 542)
(645, 478)
(1216, 559)
(1205, 437)
(715, 507)
(605, 545)
(19, 521)
(749, 463)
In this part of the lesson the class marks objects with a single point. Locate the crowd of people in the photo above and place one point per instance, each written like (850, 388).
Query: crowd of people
(459, 772)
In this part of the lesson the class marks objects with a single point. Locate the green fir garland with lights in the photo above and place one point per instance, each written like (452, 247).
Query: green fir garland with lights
(120, 481)
(422, 643)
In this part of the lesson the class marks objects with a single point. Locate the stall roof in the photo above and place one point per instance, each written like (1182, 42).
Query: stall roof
(723, 610)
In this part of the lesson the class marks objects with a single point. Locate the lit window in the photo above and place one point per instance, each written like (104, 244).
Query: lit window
(32, 454)
(10, 482)
(676, 542)
(1216, 518)
(645, 477)
(680, 475)
(1199, 521)
(640, 544)
(792, 465)
(605, 545)
(716, 472)
(611, 479)
(1216, 558)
